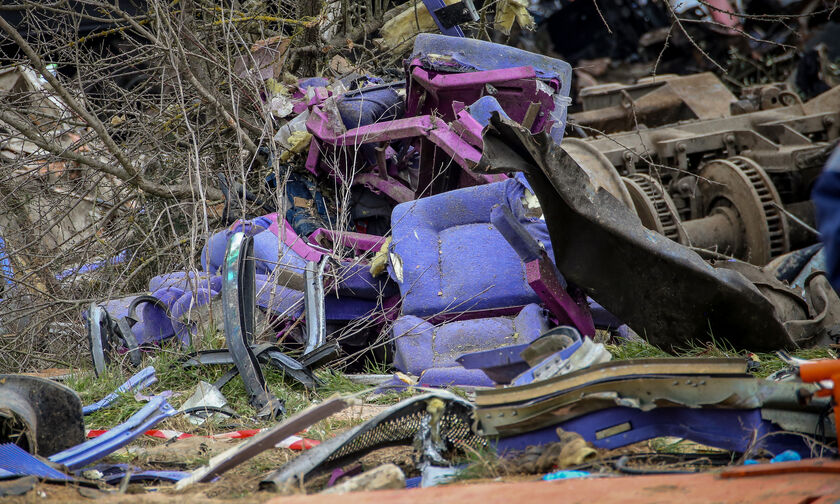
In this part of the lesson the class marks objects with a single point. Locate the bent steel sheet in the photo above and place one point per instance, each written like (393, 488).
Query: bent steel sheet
(663, 290)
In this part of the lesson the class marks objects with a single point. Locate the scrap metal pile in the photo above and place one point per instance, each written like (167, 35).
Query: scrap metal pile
(492, 241)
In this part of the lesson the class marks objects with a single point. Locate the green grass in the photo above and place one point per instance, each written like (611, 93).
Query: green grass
(172, 376)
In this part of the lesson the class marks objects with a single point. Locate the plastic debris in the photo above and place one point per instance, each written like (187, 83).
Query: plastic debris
(560, 475)
(94, 449)
(206, 396)
(144, 378)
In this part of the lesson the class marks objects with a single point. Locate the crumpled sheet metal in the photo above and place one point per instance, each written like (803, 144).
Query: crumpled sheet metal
(155, 411)
(663, 290)
(395, 426)
(737, 430)
(264, 441)
(611, 371)
(646, 394)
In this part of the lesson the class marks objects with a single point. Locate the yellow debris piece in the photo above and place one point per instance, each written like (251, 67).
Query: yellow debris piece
(405, 26)
(299, 140)
(508, 11)
(380, 260)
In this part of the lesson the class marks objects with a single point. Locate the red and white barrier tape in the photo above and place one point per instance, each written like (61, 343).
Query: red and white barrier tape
(291, 442)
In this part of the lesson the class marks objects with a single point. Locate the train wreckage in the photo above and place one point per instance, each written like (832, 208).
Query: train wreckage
(502, 241)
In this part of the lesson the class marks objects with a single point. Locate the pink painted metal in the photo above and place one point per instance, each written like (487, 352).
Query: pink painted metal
(288, 236)
(542, 277)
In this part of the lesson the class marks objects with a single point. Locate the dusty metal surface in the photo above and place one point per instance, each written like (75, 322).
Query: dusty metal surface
(654, 101)
(614, 370)
(399, 424)
(39, 415)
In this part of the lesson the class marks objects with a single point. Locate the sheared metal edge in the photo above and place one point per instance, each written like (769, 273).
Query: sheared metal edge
(139, 381)
(433, 6)
(301, 466)
(646, 394)
(798, 421)
(96, 316)
(148, 416)
(238, 302)
(615, 370)
(600, 245)
(264, 441)
(134, 355)
(316, 317)
(18, 462)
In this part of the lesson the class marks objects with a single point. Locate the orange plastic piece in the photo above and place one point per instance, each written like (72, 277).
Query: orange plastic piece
(828, 369)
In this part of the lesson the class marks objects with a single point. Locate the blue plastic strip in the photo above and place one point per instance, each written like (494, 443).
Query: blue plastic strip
(90, 267)
(139, 381)
(482, 109)
(15, 461)
(83, 454)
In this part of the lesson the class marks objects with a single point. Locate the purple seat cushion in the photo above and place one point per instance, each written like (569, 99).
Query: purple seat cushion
(453, 259)
(269, 252)
(419, 345)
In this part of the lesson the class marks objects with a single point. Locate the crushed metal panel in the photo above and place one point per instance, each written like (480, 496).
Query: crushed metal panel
(39, 415)
(702, 302)
(615, 370)
(646, 394)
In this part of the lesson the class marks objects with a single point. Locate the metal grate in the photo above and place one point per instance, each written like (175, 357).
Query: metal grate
(396, 426)
(402, 428)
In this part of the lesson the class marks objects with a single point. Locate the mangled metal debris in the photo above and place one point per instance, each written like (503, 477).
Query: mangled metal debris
(735, 301)
(449, 424)
(264, 441)
(39, 415)
(463, 228)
